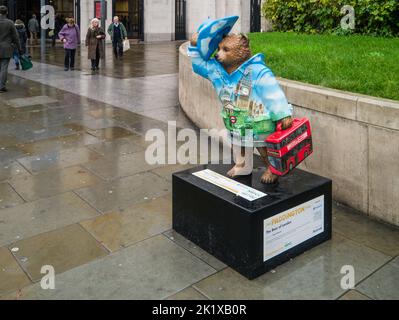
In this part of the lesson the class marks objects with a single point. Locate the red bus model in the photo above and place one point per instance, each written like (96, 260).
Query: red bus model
(288, 148)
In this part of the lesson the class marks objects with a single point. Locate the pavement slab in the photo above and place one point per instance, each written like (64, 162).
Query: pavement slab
(152, 269)
(29, 219)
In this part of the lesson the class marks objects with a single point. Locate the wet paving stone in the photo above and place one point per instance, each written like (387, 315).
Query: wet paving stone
(163, 56)
(120, 229)
(30, 136)
(143, 126)
(110, 134)
(187, 294)
(52, 182)
(124, 192)
(117, 166)
(8, 140)
(155, 268)
(12, 277)
(41, 216)
(167, 171)
(195, 250)
(384, 284)
(174, 113)
(117, 114)
(359, 228)
(79, 139)
(61, 118)
(354, 295)
(122, 146)
(8, 197)
(64, 249)
(30, 101)
(58, 159)
(11, 169)
(313, 275)
(10, 153)
(96, 124)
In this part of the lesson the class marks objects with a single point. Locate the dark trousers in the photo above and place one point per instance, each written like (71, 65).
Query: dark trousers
(96, 62)
(118, 48)
(4, 62)
(70, 58)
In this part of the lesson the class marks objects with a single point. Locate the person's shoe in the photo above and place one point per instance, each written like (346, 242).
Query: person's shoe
(93, 68)
(17, 67)
(66, 69)
(97, 68)
(4, 90)
(72, 68)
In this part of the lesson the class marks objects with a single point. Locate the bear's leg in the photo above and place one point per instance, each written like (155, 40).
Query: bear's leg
(268, 177)
(243, 159)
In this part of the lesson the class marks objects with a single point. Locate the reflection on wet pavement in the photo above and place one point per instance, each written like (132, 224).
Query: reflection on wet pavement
(77, 193)
(142, 60)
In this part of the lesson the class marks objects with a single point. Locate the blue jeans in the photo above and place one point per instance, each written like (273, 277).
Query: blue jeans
(15, 56)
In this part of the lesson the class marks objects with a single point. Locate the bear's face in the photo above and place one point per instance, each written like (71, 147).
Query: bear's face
(233, 51)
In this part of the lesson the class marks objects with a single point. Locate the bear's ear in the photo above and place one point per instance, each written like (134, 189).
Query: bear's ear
(244, 39)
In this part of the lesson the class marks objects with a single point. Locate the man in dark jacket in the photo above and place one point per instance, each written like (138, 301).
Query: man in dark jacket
(8, 39)
(118, 33)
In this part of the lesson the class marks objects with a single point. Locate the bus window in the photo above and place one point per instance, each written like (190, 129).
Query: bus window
(276, 163)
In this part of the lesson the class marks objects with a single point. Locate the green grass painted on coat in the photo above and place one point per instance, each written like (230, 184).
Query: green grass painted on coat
(362, 64)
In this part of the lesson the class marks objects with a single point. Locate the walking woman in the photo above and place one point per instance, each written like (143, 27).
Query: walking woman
(94, 41)
(23, 37)
(70, 36)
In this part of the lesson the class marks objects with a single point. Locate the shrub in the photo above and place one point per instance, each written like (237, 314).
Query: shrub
(372, 17)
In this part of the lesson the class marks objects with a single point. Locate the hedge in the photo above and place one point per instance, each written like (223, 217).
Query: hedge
(372, 17)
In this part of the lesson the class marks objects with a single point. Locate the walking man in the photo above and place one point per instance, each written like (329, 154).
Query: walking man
(8, 40)
(33, 26)
(118, 33)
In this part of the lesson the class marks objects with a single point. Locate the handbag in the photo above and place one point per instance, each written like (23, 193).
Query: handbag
(126, 45)
(26, 62)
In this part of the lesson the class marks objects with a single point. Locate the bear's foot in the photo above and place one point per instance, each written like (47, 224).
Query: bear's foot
(268, 177)
(239, 170)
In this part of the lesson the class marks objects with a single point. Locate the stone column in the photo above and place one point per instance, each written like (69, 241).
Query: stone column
(158, 20)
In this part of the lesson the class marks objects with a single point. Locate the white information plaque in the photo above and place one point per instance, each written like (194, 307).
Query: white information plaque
(292, 227)
(235, 187)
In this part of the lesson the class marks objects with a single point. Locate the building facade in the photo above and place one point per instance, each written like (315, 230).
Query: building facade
(148, 20)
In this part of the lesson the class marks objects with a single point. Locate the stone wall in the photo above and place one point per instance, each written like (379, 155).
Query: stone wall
(200, 10)
(356, 138)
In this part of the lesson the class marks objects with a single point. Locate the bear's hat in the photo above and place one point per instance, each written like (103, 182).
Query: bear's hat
(211, 33)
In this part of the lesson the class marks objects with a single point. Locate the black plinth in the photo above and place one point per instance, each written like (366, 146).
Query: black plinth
(253, 237)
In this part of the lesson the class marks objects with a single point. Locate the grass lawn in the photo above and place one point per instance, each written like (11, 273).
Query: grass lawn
(362, 64)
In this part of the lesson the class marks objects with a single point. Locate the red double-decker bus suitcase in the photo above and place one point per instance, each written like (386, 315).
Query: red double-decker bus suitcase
(286, 149)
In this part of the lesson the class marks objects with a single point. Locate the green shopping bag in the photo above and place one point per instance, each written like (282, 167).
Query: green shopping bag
(26, 63)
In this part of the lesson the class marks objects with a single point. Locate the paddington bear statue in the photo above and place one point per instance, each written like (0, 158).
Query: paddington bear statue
(252, 101)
